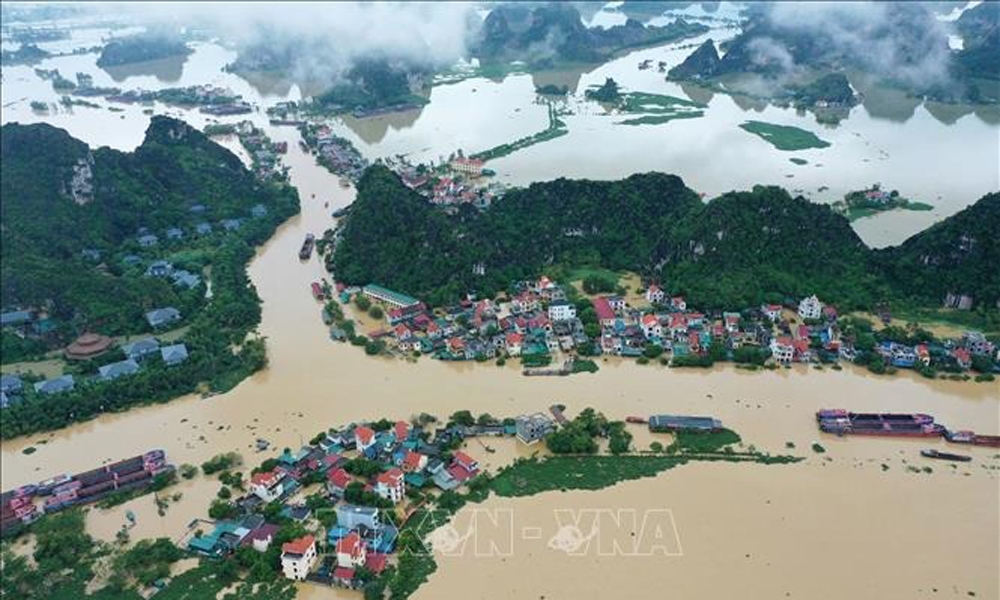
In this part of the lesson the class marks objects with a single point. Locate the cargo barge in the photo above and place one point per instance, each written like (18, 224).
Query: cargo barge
(971, 437)
(842, 422)
(24, 505)
(307, 247)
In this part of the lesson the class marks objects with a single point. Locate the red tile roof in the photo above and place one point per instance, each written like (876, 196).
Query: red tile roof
(365, 434)
(349, 544)
(266, 479)
(514, 339)
(411, 461)
(298, 546)
(375, 562)
(465, 460)
(603, 309)
(402, 430)
(392, 477)
(343, 573)
(339, 478)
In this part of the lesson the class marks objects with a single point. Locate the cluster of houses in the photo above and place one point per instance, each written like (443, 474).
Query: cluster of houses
(477, 330)
(368, 507)
(265, 155)
(136, 353)
(334, 152)
(537, 319)
(450, 184)
(148, 239)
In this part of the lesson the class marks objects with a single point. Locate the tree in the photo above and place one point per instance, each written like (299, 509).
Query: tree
(463, 417)
(375, 312)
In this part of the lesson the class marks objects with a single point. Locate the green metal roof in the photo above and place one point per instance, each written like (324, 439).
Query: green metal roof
(397, 297)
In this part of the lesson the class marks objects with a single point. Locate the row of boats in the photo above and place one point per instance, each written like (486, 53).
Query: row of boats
(26, 503)
(842, 422)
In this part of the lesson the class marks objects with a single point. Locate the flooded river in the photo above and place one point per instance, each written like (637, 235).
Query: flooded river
(837, 523)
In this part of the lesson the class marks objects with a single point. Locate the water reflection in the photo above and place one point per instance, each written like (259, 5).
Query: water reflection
(165, 70)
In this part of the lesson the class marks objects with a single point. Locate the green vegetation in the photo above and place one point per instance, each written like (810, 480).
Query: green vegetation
(552, 90)
(372, 84)
(798, 161)
(864, 203)
(607, 93)
(140, 48)
(657, 108)
(51, 222)
(221, 462)
(699, 442)
(557, 128)
(527, 477)
(738, 250)
(784, 137)
(516, 32)
(584, 366)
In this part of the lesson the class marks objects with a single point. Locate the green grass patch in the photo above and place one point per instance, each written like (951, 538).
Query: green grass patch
(784, 137)
(709, 441)
(661, 119)
(533, 476)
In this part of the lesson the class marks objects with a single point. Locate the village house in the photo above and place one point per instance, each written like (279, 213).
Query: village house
(512, 343)
(337, 481)
(267, 486)
(413, 462)
(159, 268)
(351, 551)
(962, 356)
(470, 167)
(531, 428)
(651, 327)
(655, 295)
(605, 314)
(350, 517)
(678, 303)
(174, 354)
(810, 308)
(386, 296)
(561, 310)
(977, 343)
(771, 311)
(161, 317)
(56, 385)
(118, 369)
(390, 485)
(298, 556)
(260, 538)
(782, 349)
(364, 438)
(140, 349)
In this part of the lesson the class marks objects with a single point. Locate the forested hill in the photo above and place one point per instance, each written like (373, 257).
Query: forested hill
(396, 237)
(542, 33)
(59, 198)
(745, 247)
(734, 251)
(960, 255)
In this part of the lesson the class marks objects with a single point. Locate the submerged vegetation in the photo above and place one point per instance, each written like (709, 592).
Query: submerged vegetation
(784, 137)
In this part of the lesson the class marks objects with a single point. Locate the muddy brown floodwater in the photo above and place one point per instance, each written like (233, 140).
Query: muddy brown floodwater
(828, 527)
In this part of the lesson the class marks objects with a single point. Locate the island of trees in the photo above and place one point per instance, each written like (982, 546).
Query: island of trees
(140, 48)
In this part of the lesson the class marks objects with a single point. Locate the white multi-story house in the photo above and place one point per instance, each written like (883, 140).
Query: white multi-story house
(390, 485)
(298, 557)
(810, 308)
(651, 326)
(782, 349)
(655, 295)
(364, 437)
(561, 310)
(771, 311)
(267, 486)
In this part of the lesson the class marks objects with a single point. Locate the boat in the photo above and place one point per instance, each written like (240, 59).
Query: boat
(992, 441)
(842, 422)
(345, 182)
(639, 420)
(317, 291)
(971, 437)
(307, 247)
(945, 455)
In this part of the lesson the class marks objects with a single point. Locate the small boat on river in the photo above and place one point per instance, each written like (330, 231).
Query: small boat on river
(945, 456)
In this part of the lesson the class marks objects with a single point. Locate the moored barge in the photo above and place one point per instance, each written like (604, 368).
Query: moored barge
(842, 422)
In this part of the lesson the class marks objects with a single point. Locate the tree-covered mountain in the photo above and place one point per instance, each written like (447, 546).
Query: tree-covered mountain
(152, 45)
(734, 251)
(60, 199)
(543, 34)
(959, 256)
(70, 219)
(394, 236)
